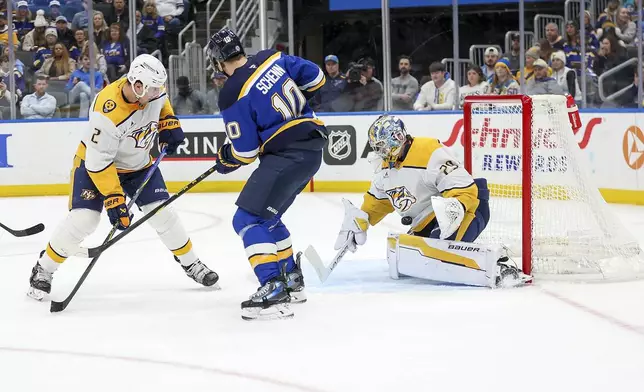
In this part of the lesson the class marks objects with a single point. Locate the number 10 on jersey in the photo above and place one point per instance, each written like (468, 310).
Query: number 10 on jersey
(292, 102)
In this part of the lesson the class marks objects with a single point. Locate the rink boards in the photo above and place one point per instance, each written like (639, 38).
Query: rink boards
(36, 156)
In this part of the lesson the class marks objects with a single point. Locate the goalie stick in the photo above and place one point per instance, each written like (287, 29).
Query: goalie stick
(316, 261)
(96, 251)
(55, 306)
(25, 232)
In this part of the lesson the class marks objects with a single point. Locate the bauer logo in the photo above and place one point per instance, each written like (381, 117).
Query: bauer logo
(341, 146)
(197, 146)
(633, 147)
(4, 156)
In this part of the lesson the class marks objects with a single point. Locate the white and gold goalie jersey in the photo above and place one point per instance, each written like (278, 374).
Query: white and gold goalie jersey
(120, 135)
(428, 169)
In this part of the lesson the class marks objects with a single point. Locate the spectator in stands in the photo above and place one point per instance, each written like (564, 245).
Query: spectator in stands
(36, 39)
(189, 101)
(45, 52)
(542, 83)
(152, 19)
(610, 54)
(117, 53)
(531, 55)
(65, 35)
(22, 21)
(491, 56)
(79, 85)
(19, 67)
(5, 74)
(81, 19)
(170, 10)
(565, 77)
(218, 81)
(54, 10)
(439, 93)
(553, 37)
(326, 100)
(476, 84)
(629, 98)
(607, 19)
(59, 66)
(404, 87)
(39, 104)
(366, 94)
(119, 15)
(514, 56)
(4, 32)
(80, 37)
(592, 38)
(145, 37)
(572, 48)
(503, 83)
(99, 62)
(625, 29)
(101, 29)
(546, 50)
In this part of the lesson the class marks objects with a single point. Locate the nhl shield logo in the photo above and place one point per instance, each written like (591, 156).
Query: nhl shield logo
(339, 144)
(401, 198)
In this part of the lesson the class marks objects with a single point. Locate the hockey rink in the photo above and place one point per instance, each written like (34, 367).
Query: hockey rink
(139, 324)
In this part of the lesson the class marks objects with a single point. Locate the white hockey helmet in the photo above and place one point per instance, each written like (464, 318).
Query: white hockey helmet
(150, 72)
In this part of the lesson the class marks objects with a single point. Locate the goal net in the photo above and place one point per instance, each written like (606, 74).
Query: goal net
(544, 206)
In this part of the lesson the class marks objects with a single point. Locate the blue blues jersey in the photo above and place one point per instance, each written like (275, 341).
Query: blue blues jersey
(264, 103)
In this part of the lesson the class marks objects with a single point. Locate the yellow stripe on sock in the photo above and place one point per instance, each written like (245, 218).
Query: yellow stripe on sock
(284, 254)
(184, 249)
(256, 260)
(53, 255)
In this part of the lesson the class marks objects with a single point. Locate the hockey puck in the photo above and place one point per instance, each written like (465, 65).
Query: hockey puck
(406, 220)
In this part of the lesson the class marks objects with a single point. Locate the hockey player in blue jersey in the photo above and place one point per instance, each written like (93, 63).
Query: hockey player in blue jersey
(267, 117)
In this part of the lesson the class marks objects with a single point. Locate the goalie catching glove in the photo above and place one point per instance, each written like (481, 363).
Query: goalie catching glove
(354, 227)
(449, 214)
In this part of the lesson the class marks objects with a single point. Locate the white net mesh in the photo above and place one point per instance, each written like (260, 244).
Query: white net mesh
(574, 232)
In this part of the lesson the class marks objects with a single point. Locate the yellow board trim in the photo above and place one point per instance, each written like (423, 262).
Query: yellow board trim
(622, 196)
(184, 249)
(262, 259)
(419, 244)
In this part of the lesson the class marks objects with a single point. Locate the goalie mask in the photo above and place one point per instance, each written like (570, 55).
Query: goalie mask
(387, 136)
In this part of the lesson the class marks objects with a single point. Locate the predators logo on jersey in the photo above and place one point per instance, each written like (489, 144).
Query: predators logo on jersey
(144, 135)
(401, 198)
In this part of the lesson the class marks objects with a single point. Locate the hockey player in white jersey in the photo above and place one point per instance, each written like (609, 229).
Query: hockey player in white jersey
(111, 162)
(447, 209)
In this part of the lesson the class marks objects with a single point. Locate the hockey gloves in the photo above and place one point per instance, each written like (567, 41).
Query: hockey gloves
(117, 211)
(449, 214)
(171, 138)
(354, 227)
(225, 161)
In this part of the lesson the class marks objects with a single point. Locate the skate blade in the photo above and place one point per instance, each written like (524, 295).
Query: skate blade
(275, 312)
(511, 282)
(36, 294)
(298, 297)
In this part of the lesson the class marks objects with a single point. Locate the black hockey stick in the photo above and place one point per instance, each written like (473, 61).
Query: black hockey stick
(60, 306)
(26, 232)
(96, 251)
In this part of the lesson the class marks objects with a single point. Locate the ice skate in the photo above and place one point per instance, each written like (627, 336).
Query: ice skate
(270, 302)
(509, 275)
(39, 282)
(295, 282)
(200, 273)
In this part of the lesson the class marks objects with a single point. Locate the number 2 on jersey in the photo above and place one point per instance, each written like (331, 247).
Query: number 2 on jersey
(293, 101)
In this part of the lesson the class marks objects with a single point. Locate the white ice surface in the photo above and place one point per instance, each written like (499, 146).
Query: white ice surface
(139, 324)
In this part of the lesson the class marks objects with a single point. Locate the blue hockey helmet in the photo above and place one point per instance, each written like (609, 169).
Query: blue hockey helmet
(223, 46)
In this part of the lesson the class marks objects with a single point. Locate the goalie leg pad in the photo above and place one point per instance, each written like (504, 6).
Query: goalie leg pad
(442, 260)
(168, 226)
(68, 236)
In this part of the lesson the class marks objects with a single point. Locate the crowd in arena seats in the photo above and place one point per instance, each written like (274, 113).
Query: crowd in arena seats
(552, 66)
(52, 49)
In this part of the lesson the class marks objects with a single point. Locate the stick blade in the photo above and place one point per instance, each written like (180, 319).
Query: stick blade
(56, 307)
(35, 230)
(314, 258)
